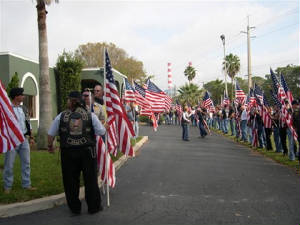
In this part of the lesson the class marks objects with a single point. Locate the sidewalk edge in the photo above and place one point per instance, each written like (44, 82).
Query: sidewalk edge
(59, 199)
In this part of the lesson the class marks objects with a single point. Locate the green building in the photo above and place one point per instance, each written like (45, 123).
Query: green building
(28, 72)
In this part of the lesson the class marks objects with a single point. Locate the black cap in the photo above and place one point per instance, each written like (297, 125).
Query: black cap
(16, 92)
(295, 102)
(75, 94)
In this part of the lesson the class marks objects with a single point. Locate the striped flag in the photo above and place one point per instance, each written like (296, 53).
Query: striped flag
(206, 100)
(102, 158)
(274, 81)
(266, 116)
(285, 113)
(275, 99)
(10, 132)
(129, 92)
(144, 104)
(156, 96)
(114, 108)
(112, 141)
(240, 96)
(226, 100)
(258, 93)
(286, 89)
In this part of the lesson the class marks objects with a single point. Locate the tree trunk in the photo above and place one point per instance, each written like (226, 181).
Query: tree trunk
(231, 89)
(45, 117)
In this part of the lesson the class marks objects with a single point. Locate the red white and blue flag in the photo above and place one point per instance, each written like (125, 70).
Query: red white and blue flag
(286, 89)
(114, 108)
(102, 160)
(240, 97)
(146, 107)
(206, 100)
(129, 92)
(10, 132)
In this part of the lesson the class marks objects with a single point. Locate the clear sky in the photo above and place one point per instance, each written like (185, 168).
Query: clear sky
(157, 32)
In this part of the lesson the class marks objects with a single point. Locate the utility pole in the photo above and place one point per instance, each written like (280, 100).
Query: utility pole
(249, 53)
(225, 72)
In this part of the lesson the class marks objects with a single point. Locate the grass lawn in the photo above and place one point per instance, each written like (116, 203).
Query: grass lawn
(45, 176)
(278, 157)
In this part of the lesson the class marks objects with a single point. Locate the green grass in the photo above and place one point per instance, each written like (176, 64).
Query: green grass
(45, 176)
(278, 157)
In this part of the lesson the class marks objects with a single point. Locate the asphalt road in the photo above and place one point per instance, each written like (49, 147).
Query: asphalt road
(204, 181)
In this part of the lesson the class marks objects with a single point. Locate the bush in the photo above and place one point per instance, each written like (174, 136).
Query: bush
(144, 119)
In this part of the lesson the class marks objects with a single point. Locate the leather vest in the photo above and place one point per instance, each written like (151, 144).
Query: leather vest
(76, 129)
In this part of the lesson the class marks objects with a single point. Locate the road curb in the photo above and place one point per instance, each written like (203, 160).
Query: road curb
(59, 199)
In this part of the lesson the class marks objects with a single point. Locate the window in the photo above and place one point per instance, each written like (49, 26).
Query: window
(30, 103)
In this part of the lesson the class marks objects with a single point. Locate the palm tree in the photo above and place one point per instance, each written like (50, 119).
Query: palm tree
(190, 73)
(231, 66)
(44, 78)
(189, 93)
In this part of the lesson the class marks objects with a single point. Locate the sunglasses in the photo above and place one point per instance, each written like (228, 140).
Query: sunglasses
(85, 95)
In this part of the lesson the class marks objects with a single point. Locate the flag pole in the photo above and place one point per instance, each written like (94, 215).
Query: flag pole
(106, 152)
(134, 125)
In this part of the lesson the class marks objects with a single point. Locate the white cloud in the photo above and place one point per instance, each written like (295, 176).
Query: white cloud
(155, 32)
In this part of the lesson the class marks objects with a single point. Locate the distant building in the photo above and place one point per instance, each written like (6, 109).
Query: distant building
(28, 72)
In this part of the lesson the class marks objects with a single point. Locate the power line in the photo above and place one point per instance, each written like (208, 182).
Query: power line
(276, 30)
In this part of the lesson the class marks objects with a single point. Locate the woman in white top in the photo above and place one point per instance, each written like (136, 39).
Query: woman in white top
(185, 124)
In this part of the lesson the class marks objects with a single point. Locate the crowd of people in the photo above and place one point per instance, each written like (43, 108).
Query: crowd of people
(243, 123)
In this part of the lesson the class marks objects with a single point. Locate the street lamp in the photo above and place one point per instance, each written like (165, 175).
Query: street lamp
(225, 72)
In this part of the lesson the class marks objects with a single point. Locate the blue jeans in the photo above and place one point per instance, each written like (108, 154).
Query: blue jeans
(203, 132)
(244, 130)
(250, 134)
(291, 144)
(277, 139)
(260, 134)
(232, 127)
(8, 175)
(225, 126)
(185, 131)
(136, 128)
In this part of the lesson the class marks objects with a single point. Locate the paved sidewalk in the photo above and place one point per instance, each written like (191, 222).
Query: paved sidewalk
(203, 181)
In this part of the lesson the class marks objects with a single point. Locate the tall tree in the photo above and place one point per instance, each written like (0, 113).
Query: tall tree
(190, 73)
(44, 78)
(92, 56)
(232, 66)
(216, 89)
(292, 78)
(67, 71)
(189, 93)
(14, 82)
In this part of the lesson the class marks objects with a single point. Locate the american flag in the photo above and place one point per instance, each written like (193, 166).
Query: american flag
(275, 99)
(286, 89)
(115, 109)
(258, 93)
(102, 158)
(206, 100)
(252, 98)
(144, 104)
(226, 100)
(156, 96)
(10, 132)
(178, 109)
(286, 116)
(129, 92)
(239, 94)
(112, 141)
(266, 116)
(274, 81)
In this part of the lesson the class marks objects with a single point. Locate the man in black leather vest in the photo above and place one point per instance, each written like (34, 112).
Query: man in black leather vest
(77, 129)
